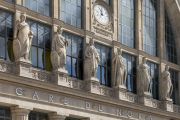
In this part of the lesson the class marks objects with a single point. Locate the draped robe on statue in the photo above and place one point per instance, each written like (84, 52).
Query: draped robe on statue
(120, 72)
(144, 78)
(92, 59)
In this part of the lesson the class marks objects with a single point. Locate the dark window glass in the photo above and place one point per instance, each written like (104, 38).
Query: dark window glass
(154, 71)
(126, 23)
(6, 35)
(104, 67)
(70, 118)
(71, 12)
(130, 62)
(149, 27)
(40, 50)
(174, 78)
(5, 113)
(38, 116)
(74, 61)
(41, 6)
(170, 41)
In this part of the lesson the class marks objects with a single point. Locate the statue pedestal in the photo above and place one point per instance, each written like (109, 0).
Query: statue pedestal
(23, 68)
(147, 100)
(121, 93)
(93, 85)
(167, 105)
(60, 77)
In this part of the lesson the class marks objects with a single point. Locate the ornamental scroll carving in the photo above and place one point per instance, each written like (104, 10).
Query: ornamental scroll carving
(58, 50)
(23, 39)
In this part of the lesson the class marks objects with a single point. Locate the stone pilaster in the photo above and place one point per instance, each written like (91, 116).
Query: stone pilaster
(161, 30)
(87, 14)
(19, 113)
(139, 23)
(19, 2)
(56, 8)
(115, 18)
(55, 116)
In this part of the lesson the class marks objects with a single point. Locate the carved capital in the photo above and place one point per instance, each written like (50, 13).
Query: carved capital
(19, 113)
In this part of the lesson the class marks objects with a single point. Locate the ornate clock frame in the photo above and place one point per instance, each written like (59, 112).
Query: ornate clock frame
(105, 31)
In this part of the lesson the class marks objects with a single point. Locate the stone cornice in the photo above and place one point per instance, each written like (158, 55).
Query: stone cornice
(81, 94)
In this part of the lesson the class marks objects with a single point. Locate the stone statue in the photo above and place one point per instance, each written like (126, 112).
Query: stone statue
(92, 60)
(120, 72)
(58, 50)
(167, 87)
(23, 39)
(144, 78)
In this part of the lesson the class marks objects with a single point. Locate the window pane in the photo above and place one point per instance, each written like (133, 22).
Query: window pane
(149, 27)
(5, 113)
(41, 58)
(34, 56)
(74, 63)
(171, 51)
(126, 25)
(40, 6)
(104, 69)
(38, 116)
(71, 12)
(153, 69)
(41, 44)
(6, 35)
(130, 62)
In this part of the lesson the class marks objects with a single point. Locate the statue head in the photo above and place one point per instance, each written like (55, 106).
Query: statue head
(91, 42)
(23, 17)
(144, 60)
(59, 29)
(119, 51)
(167, 68)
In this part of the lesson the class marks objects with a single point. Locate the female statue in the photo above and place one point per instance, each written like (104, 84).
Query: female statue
(23, 39)
(58, 50)
(144, 78)
(166, 84)
(120, 72)
(91, 60)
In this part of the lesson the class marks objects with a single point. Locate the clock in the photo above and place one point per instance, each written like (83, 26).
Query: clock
(101, 14)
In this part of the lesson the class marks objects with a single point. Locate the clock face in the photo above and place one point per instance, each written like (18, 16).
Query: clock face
(101, 14)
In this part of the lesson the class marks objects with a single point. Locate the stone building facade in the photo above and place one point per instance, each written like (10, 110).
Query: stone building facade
(129, 30)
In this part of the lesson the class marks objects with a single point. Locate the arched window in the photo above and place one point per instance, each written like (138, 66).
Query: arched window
(126, 22)
(149, 27)
(170, 41)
